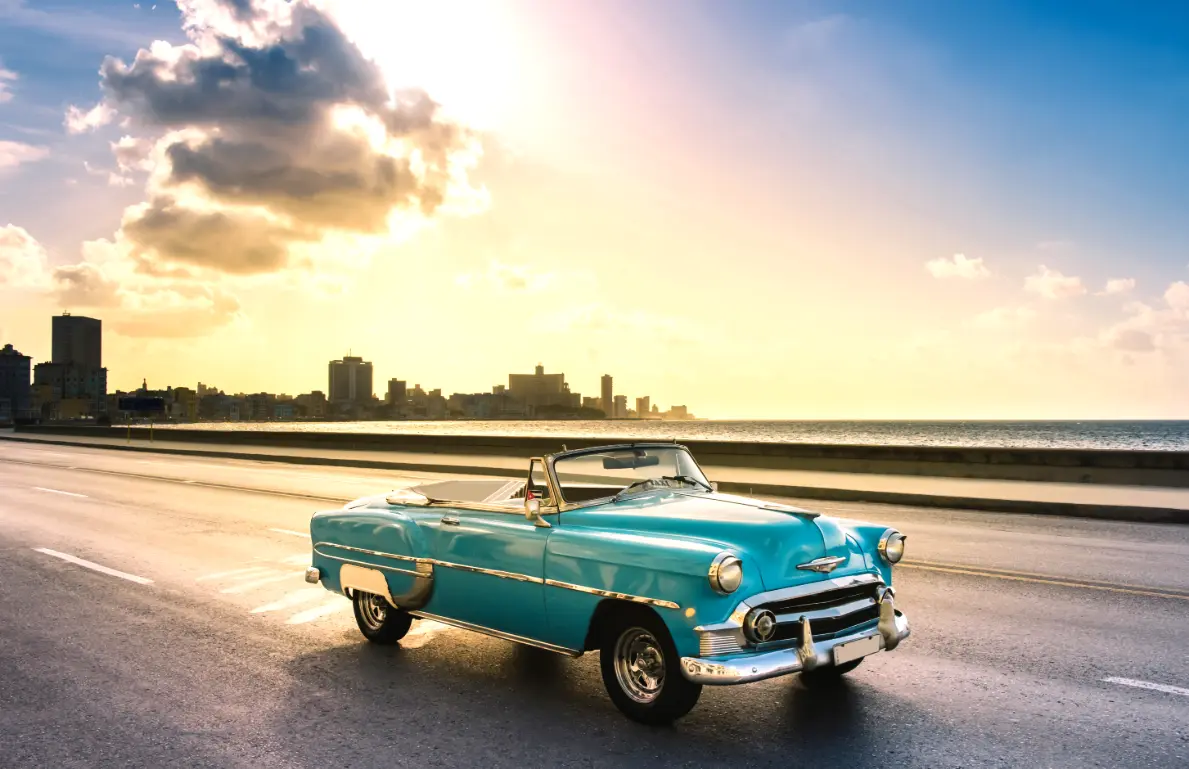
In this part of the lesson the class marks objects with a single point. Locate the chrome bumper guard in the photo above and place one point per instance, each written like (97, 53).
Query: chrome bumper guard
(757, 666)
(313, 575)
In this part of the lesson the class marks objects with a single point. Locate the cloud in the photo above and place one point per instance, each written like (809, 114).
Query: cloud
(24, 263)
(7, 76)
(1177, 298)
(1004, 317)
(270, 144)
(958, 267)
(1117, 286)
(80, 121)
(1147, 328)
(506, 278)
(13, 154)
(1133, 340)
(1051, 284)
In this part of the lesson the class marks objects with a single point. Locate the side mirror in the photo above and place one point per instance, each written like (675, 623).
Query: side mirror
(532, 509)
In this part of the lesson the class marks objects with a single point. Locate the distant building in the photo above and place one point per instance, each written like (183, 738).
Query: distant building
(397, 391)
(184, 406)
(351, 381)
(77, 340)
(608, 396)
(620, 407)
(16, 389)
(540, 389)
(592, 403)
(643, 407)
(311, 405)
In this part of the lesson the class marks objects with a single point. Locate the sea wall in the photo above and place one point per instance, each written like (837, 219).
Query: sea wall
(1140, 468)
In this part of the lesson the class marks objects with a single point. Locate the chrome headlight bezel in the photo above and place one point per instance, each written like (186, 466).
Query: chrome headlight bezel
(891, 546)
(726, 573)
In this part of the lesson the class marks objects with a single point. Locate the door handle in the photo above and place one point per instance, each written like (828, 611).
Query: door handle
(450, 520)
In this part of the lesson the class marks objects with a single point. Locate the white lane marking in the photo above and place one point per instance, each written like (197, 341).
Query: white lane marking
(291, 533)
(234, 573)
(325, 610)
(55, 491)
(1148, 685)
(245, 587)
(189, 481)
(301, 559)
(94, 566)
(292, 599)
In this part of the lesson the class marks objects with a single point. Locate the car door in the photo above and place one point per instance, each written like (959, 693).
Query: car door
(490, 568)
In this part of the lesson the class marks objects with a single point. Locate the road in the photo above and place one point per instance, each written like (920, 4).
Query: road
(1046, 642)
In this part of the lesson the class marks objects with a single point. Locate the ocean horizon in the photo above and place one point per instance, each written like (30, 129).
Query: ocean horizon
(1150, 435)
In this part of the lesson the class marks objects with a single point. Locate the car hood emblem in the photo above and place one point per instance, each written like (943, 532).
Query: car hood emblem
(824, 565)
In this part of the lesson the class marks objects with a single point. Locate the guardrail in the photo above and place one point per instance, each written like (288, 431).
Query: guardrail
(1124, 468)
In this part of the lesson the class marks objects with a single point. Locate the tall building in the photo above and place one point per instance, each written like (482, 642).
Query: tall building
(608, 396)
(620, 408)
(15, 388)
(75, 371)
(540, 389)
(397, 388)
(350, 380)
(77, 340)
(643, 406)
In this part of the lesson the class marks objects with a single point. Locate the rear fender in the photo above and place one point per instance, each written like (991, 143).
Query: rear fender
(376, 551)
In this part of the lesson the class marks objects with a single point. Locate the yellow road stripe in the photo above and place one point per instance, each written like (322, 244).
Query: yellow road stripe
(1046, 581)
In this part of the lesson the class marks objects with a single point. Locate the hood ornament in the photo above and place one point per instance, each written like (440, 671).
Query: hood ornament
(823, 565)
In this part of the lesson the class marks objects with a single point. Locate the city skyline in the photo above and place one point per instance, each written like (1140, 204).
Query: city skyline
(773, 210)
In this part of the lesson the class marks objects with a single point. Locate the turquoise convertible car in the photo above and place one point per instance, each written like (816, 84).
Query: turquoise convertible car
(628, 550)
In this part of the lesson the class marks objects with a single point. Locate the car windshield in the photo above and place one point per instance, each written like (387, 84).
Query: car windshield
(609, 472)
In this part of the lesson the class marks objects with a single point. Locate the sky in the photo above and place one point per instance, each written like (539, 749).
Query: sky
(906, 209)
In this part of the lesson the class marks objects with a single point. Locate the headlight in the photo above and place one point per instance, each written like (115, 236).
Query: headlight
(726, 573)
(891, 546)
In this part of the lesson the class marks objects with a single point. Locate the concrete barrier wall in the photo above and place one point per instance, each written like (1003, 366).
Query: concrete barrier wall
(1140, 468)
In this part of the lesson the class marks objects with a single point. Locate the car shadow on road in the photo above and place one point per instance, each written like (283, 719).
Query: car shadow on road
(465, 700)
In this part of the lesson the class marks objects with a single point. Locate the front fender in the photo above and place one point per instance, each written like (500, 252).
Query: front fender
(641, 566)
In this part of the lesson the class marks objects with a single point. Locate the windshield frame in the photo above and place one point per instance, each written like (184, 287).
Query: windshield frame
(564, 505)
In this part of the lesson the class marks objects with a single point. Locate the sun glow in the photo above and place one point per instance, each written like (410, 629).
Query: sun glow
(467, 54)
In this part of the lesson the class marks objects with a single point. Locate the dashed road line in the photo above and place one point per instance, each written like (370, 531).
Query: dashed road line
(292, 533)
(245, 587)
(58, 491)
(325, 610)
(1147, 685)
(94, 566)
(297, 597)
(255, 570)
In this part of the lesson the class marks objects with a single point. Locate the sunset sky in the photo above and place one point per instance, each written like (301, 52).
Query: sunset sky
(901, 209)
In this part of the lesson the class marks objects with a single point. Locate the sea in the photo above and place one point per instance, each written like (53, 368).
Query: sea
(1172, 435)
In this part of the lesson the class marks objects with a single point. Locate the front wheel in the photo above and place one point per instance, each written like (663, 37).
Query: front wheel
(379, 622)
(831, 675)
(642, 670)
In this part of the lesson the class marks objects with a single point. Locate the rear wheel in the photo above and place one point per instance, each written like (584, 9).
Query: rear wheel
(831, 675)
(378, 620)
(642, 670)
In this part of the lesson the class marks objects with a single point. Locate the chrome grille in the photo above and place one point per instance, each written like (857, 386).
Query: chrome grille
(832, 612)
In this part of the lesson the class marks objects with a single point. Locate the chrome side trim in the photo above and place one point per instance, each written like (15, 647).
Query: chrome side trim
(498, 633)
(610, 594)
(379, 553)
(492, 572)
(418, 574)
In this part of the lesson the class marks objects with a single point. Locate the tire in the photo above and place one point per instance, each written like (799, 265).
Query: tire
(642, 669)
(831, 675)
(379, 622)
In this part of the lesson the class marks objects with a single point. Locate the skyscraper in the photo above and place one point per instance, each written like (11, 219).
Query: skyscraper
(643, 406)
(608, 396)
(77, 340)
(15, 390)
(350, 380)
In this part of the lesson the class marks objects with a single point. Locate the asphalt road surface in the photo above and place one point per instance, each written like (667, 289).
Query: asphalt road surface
(1037, 642)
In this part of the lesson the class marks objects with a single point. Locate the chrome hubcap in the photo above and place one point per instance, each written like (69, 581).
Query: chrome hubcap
(374, 610)
(639, 665)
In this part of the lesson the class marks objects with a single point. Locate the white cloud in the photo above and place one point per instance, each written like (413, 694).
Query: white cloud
(1147, 328)
(1177, 297)
(13, 154)
(24, 263)
(506, 277)
(959, 266)
(6, 76)
(1004, 317)
(79, 121)
(1051, 284)
(1117, 286)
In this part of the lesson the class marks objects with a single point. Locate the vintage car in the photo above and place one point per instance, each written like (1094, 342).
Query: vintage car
(628, 550)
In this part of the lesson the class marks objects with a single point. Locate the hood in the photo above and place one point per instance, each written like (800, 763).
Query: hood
(771, 537)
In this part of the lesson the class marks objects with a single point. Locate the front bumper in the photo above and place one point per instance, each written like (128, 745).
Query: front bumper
(757, 666)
